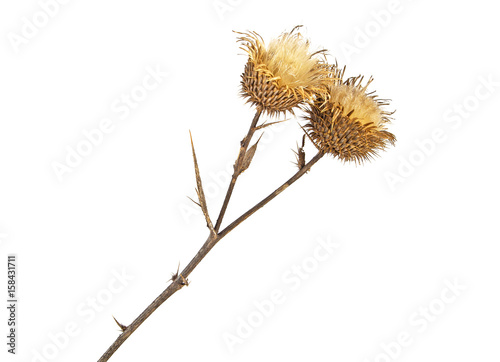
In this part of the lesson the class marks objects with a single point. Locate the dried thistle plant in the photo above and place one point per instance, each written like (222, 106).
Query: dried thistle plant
(281, 76)
(343, 120)
(348, 122)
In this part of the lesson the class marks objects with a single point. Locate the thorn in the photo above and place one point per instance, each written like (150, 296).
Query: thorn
(176, 275)
(193, 201)
(122, 327)
(184, 281)
(307, 134)
(199, 190)
(264, 125)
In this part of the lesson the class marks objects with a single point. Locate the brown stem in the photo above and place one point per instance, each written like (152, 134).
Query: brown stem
(237, 170)
(176, 285)
(213, 239)
(271, 196)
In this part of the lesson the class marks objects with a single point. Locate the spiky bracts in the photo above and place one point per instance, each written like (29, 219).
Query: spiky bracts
(283, 75)
(348, 122)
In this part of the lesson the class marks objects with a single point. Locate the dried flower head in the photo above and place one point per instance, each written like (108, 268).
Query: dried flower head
(348, 122)
(284, 74)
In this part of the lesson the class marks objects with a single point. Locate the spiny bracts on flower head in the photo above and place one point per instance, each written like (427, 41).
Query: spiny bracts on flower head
(348, 122)
(283, 75)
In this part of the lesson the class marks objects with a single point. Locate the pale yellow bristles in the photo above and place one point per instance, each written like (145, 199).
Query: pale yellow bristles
(351, 98)
(282, 75)
(290, 61)
(364, 109)
(348, 122)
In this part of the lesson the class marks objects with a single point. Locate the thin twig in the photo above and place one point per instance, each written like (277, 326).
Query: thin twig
(237, 167)
(213, 239)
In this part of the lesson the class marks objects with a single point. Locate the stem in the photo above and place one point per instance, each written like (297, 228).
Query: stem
(236, 173)
(213, 239)
(271, 196)
(176, 285)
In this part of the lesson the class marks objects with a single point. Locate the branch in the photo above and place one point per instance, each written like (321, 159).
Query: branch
(213, 239)
(237, 167)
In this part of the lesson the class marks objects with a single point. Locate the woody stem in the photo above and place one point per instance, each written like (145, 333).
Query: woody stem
(213, 239)
(243, 148)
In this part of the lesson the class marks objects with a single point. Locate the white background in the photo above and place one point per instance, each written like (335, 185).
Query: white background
(124, 208)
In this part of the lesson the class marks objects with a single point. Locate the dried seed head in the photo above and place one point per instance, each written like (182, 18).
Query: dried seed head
(348, 122)
(284, 74)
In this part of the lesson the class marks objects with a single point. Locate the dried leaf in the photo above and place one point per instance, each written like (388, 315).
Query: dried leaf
(300, 154)
(199, 190)
(247, 159)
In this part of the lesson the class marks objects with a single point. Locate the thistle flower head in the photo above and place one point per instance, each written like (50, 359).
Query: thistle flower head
(282, 75)
(348, 122)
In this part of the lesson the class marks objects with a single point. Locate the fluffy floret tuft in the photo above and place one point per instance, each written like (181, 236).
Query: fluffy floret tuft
(283, 75)
(348, 122)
